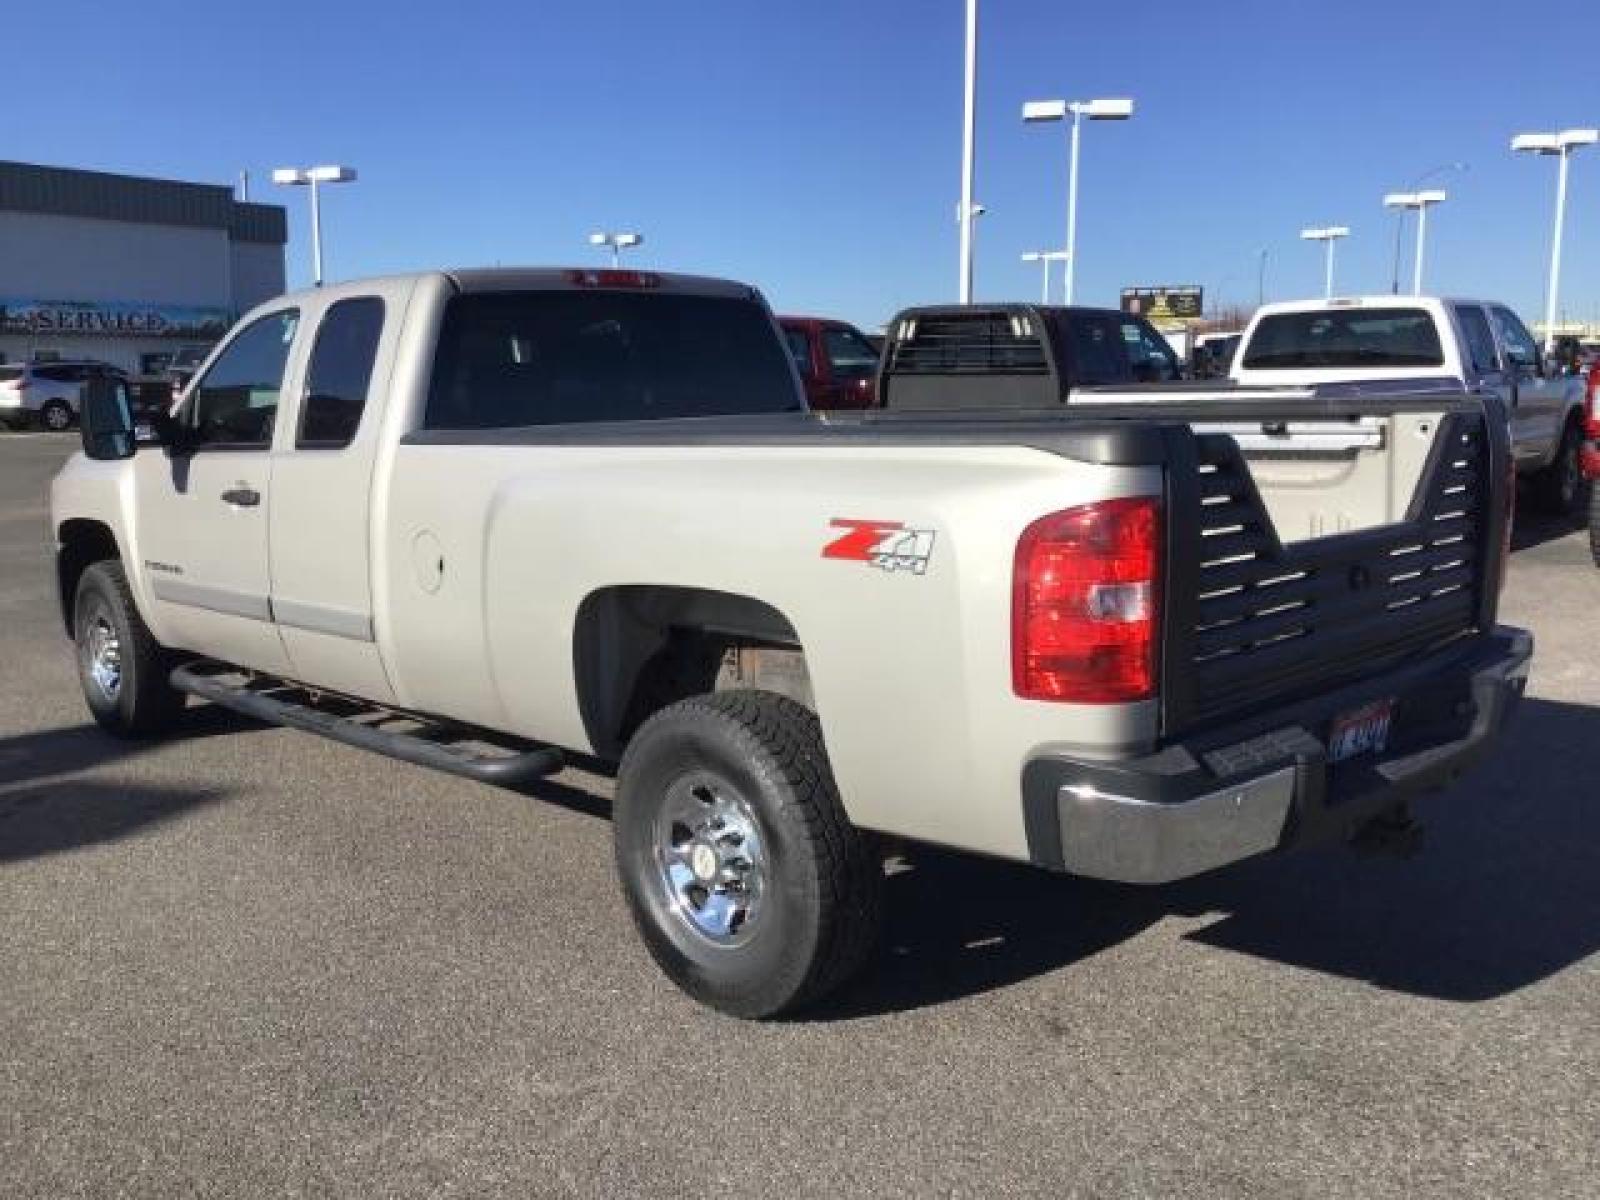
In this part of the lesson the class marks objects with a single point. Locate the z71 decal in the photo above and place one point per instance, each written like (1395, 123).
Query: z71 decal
(888, 545)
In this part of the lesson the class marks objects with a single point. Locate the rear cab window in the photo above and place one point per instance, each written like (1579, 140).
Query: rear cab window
(510, 359)
(1349, 337)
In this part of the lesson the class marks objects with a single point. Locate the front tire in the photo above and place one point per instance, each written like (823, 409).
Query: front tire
(748, 884)
(1560, 488)
(122, 669)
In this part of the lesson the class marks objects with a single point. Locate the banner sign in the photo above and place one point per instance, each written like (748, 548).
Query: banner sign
(112, 319)
(1178, 302)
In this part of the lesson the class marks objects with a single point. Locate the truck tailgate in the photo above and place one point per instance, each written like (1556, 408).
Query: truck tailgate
(1306, 553)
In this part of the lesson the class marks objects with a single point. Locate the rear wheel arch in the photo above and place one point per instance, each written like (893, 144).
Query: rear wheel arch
(639, 648)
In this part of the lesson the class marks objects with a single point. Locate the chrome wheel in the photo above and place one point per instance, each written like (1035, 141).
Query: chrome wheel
(710, 859)
(102, 654)
(57, 416)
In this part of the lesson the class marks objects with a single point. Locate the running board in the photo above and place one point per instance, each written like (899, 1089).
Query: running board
(504, 770)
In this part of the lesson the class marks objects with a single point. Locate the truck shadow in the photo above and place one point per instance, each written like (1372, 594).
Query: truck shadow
(42, 812)
(57, 817)
(25, 757)
(1505, 893)
(1534, 528)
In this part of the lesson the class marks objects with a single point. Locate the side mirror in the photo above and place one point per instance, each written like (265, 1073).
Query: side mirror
(106, 422)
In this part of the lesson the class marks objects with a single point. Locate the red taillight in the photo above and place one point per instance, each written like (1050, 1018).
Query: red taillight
(1085, 600)
(614, 279)
(1591, 404)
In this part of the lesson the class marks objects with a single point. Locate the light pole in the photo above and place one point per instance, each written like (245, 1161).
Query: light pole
(1562, 145)
(1044, 258)
(1421, 202)
(1118, 108)
(1261, 279)
(1327, 236)
(314, 177)
(964, 210)
(1400, 217)
(618, 243)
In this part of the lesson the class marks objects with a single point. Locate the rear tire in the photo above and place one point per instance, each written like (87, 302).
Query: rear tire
(56, 416)
(122, 668)
(1560, 488)
(748, 884)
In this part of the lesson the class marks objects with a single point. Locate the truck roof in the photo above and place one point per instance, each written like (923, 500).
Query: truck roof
(1385, 300)
(515, 279)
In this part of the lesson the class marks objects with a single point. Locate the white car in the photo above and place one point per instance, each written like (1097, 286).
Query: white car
(47, 395)
(1388, 342)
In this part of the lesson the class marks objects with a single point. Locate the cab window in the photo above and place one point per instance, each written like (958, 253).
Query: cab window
(236, 402)
(1148, 354)
(1096, 351)
(1480, 342)
(799, 349)
(341, 371)
(1521, 349)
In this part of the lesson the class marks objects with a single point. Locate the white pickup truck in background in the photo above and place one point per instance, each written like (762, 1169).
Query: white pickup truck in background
(479, 520)
(1390, 340)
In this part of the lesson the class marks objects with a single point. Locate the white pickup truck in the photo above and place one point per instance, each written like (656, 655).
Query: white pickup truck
(1391, 341)
(478, 520)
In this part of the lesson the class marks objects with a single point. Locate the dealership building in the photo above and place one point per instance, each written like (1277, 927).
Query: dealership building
(127, 270)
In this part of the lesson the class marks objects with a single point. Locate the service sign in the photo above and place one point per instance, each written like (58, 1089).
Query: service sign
(1177, 302)
(112, 319)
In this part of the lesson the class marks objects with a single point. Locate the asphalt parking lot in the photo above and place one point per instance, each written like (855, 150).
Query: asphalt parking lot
(255, 963)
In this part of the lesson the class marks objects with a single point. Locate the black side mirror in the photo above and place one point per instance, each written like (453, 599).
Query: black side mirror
(106, 422)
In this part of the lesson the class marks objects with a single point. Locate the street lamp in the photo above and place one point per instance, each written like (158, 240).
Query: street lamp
(1118, 108)
(966, 210)
(1327, 236)
(1400, 217)
(1419, 201)
(618, 243)
(1045, 258)
(1562, 145)
(314, 177)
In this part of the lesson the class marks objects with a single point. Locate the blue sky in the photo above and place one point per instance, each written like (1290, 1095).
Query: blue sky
(814, 148)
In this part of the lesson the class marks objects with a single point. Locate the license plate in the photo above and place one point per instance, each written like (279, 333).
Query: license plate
(1364, 731)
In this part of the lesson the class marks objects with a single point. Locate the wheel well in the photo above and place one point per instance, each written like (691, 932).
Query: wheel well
(638, 648)
(80, 544)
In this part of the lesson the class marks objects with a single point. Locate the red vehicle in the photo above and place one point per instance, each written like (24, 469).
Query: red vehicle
(837, 364)
(1589, 456)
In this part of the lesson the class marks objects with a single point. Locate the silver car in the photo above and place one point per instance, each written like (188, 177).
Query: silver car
(47, 395)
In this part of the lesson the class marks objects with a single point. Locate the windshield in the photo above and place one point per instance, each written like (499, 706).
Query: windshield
(1357, 337)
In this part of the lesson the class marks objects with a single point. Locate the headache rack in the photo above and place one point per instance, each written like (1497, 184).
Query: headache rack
(971, 358)
(1255, 623)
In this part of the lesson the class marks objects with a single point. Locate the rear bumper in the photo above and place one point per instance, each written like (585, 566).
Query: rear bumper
(1260, 786)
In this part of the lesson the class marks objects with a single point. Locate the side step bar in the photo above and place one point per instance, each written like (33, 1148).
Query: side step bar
(503, 770)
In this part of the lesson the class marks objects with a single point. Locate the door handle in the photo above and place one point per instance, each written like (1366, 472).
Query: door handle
(242, 497)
